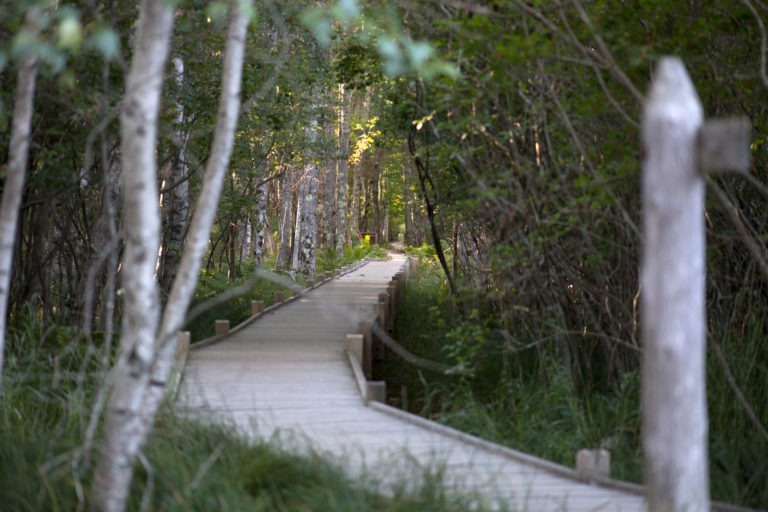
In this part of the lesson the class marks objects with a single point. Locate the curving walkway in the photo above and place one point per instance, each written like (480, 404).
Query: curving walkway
(287, 375)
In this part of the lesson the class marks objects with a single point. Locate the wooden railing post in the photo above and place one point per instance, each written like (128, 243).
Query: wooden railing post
(364, 328)
(677, 150)
(355, 344)
(221, 327)
(279, 297)
(593, 463)
(257, 306)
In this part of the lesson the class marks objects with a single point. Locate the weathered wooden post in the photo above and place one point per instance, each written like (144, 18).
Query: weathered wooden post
(257, 306)
(364, 328)
(221, 327)
(328, 275)
(677, 151)
(355, 343)
(279, 297)
(593, 463)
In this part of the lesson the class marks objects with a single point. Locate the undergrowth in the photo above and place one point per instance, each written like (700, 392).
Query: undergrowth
(531, 399)
(48, 391)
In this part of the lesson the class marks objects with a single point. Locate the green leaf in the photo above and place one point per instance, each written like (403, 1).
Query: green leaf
(217, 13)
(69, 33)
(105, 41)
(317, 22)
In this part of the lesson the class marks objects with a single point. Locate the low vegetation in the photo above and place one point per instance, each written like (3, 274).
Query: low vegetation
(527, 393)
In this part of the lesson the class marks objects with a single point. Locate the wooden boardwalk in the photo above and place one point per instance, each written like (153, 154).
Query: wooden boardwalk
(287, 375)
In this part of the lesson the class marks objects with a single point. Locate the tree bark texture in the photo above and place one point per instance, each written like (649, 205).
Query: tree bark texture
(124, 430)
(13, 186)
(260, 225)
(672, 278)
(176, 200)
(286, 219)
(306, 216)
(330, 175)
(342, 192)
(204, 214)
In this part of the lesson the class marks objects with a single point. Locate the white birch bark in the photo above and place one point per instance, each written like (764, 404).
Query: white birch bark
(204, 214)
(306, 237)
(260, 224)
(408, 236)
(330, 175)
(297, 223)
(176, 203)
(342, 192)
(286, 217)
(13, 186)
(672, 278)
(124, 431)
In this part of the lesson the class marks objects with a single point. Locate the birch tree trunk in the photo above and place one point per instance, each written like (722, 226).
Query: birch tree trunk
(13, 186)
(384, 206)
(672, 278)
(297, 227)
(176, 202)
(330, 176)
(204, 214)
(306, 225)
(286, 217)
(260, 225)
(124, 431)
(354, 214)
(408, 238)
(342, 192)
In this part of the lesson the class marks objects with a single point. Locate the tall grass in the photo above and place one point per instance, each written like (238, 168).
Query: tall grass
(532, 400)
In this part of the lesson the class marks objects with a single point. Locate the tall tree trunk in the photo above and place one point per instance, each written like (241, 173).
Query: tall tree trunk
(260, 225)
(297, 227)
(176, 200)
(357, 191)
(329, 191)
(384, 206)
(204, 213)
(124, 431)
(376, 203)
(13, 187)
(342, 193)
(306, 237)
(408, 236)
(286, 218)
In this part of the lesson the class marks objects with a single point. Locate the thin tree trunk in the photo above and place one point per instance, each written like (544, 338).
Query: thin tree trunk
(286, 218)
(204, 213)
(306, 237)
(176, 202)
(260, 225)
(124, 430)
(408, 236)
(297, 227)
(13, 187)
(385, 207)
(329, 192)
(354, 214)
(342, 192)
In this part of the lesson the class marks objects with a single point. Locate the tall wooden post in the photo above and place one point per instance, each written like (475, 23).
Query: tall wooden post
(672, 280)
